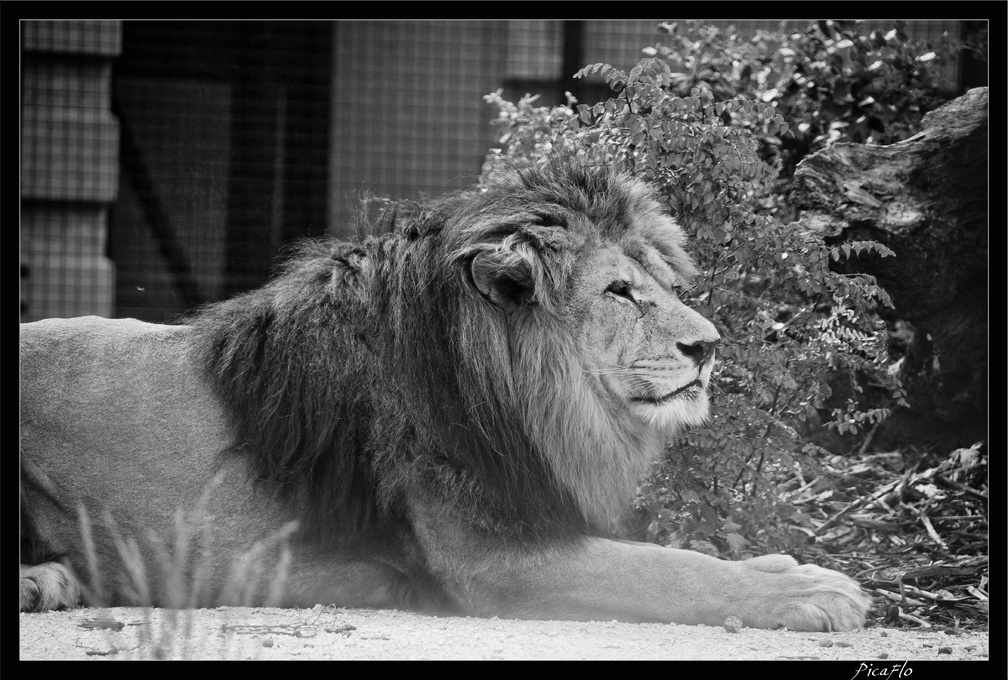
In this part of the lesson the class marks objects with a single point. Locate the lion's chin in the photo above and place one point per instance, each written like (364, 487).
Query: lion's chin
(686, 391)
(685, 407)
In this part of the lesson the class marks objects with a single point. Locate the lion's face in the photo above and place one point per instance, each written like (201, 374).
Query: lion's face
(646, 347)
(607, 261)
(573, 317)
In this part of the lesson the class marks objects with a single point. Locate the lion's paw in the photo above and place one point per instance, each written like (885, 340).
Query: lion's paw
(805, 597)
(48, 586)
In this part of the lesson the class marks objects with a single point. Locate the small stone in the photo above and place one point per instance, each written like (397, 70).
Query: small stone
(883, 655)
(826, 643)
(268, 642)
(944, 650)
(100, 623)
(733, 624)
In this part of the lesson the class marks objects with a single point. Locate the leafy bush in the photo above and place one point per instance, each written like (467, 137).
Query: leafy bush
(712, 140)
(830, 82)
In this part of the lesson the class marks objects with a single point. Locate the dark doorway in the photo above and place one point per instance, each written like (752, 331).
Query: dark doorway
(224, 155)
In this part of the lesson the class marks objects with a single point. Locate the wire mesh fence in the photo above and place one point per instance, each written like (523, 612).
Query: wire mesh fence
(165, 164)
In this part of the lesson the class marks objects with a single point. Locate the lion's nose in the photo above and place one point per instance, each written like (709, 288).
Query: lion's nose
(698, 350)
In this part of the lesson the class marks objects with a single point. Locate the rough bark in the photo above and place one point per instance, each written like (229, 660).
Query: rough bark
(925, 198)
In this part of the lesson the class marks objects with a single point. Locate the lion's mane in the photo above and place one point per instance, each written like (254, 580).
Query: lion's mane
(368, 369)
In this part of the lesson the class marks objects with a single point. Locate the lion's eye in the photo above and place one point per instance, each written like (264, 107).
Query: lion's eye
(624, 290)
(621, 289)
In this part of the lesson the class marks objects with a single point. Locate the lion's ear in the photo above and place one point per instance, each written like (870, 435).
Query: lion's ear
(502, 277)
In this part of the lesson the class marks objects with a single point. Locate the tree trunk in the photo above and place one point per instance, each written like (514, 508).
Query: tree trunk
(926, 199)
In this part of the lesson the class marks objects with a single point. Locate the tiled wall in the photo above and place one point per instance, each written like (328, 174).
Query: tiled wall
(69, 167)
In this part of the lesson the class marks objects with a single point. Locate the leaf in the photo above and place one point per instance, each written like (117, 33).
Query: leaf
(736, 542)
(770, 94)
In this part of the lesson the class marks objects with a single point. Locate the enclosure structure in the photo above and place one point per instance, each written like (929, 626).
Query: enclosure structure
(166, 164)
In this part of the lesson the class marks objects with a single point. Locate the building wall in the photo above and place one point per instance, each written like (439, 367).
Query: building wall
(223, 157)
(69, 167)
(408, 116)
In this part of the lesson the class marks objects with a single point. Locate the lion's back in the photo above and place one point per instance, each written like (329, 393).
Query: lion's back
(92, 354)
(83, 334)
(100, 393)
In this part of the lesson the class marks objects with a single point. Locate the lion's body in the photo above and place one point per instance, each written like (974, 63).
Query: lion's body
(455, 414)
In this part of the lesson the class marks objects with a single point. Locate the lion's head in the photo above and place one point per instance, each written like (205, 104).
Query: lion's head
(522, 343)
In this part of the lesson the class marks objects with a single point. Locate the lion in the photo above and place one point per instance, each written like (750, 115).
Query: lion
(450, 416)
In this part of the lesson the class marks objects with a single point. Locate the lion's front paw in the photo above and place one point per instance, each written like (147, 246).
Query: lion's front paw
(805, 597)
(48, 586)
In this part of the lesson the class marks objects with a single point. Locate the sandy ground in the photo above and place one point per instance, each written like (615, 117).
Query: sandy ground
(331, 634)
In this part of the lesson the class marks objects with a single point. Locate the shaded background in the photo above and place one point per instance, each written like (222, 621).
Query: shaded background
(165, 164)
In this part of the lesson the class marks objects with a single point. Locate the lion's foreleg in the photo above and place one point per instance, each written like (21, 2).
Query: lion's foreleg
(594, 578)
(642, 580)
